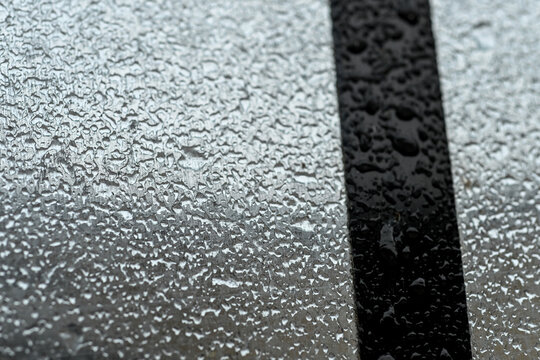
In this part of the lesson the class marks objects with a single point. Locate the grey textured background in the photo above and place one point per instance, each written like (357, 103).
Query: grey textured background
(488, 59)
(171, 181)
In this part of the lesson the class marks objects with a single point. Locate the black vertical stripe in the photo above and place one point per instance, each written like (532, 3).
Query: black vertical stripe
(409, 286)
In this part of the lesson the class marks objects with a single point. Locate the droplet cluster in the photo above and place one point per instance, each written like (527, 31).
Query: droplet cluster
(488, 58)
(409, 285)
(171, 182)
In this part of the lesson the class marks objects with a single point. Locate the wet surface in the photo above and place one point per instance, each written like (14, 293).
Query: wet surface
(488, 58)
(406, 254)
(171, 182)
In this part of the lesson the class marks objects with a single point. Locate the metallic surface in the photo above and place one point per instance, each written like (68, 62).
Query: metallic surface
(171, 182)
(488, 59)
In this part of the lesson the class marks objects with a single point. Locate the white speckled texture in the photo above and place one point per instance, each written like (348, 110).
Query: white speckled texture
(171, 182)
(488, 59)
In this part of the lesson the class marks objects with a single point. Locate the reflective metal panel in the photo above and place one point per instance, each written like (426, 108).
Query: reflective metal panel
(171, 181)
(488, 58)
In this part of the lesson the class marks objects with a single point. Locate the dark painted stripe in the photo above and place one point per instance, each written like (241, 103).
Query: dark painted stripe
(409, 285)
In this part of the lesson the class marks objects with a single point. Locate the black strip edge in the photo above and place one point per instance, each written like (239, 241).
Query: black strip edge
(409, 287)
